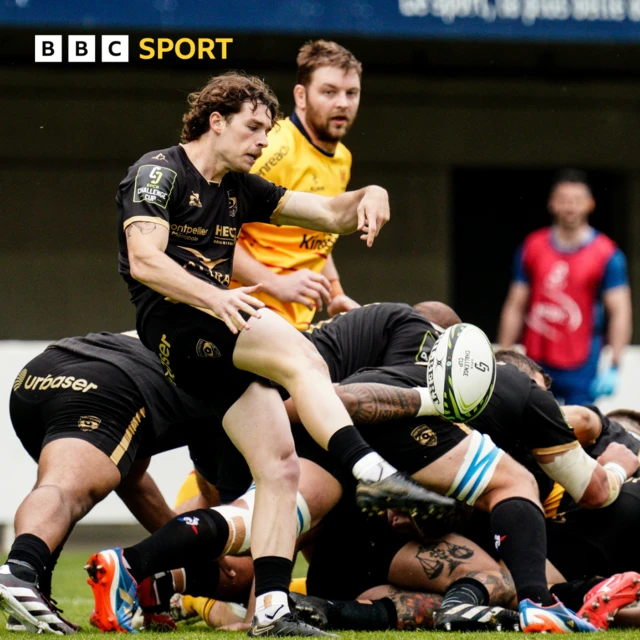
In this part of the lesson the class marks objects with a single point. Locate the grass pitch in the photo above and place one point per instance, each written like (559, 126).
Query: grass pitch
(74, 595)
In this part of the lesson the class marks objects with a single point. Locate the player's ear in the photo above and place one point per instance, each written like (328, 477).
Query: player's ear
(300, 96)
(217, 122)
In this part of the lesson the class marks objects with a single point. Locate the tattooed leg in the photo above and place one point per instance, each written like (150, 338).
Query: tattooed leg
(414, 609)
(499, 585)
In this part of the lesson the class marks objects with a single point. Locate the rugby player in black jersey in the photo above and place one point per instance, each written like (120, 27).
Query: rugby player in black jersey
(90, 411)
(508, 493)
(469, 467)
(180, 212)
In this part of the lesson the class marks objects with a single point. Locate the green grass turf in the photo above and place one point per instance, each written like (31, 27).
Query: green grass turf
(74, 596)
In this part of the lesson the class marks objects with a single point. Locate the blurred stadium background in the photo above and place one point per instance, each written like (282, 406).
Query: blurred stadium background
(468, 108)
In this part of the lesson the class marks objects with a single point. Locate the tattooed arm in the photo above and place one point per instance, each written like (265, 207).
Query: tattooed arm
(370, 403)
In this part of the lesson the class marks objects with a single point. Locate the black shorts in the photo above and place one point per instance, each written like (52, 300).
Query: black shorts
(64, 395)
(587, 542)
(353, 553)
(411, 445)
(196, 351)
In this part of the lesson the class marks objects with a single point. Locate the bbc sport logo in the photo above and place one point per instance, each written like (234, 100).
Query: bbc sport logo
(51, 48)
(82, 49)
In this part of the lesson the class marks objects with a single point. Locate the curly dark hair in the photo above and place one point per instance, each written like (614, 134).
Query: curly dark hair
(226, 94)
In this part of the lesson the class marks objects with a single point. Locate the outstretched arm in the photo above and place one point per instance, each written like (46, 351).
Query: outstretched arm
(365, 210)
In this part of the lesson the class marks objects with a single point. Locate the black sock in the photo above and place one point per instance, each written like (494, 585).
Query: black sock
(465, 591)
(202, 578)
(347, 446)
(572, 594)
(272, 573)
(45, 581)
(521, 538)
(182, 541)
(380, 615)
(29, 557)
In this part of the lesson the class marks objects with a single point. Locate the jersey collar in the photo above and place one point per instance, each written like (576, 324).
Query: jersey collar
(588, 239)
(296, 121)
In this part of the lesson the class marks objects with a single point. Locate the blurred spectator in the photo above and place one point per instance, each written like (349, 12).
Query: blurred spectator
(570, 288)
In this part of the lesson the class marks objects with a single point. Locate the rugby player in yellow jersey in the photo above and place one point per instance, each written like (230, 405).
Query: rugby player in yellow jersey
(305, 153)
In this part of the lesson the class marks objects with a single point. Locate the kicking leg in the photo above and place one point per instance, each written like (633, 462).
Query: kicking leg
(273, 350)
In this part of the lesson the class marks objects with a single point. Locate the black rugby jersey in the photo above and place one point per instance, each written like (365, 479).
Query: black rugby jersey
(203, 218)
(376, 335)
(167, 408)
(521, 412)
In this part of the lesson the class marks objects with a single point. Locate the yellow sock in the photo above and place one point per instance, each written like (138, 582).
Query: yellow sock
(299, 585)
(199, 605)
(188, 490)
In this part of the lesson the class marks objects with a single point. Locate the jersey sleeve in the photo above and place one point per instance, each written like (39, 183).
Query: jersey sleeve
(615, 274)
(146, 193)
(265, 199)
(543, 427)
(518, 269)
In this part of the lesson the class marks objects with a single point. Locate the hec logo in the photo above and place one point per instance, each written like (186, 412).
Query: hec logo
(82, 49)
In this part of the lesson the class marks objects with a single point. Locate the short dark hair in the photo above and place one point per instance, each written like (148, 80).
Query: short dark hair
(524, 363)
(226, 94)
(439, 312)
(573, 176)
(628, 415)
(322, 53)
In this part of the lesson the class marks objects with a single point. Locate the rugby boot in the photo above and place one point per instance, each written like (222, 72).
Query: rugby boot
(24, 602)
(114, 592)
(400, 491)
(13, 624)
(287, 625)
(311, 609)
(469, 617)
(535, 618)
(603, 601)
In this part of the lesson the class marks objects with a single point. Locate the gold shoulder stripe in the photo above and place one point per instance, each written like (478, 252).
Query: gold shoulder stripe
(561, 448)
(159, 221)
(280, 207)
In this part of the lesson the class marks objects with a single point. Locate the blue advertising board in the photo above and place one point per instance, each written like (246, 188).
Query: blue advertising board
(568, 20)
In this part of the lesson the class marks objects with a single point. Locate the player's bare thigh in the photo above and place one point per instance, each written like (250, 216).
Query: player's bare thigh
(274, 349)
(478, 473)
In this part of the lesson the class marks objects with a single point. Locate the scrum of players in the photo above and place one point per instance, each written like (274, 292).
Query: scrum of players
(517, 516)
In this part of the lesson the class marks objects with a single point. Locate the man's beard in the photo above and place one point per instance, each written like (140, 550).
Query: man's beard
(322, 127)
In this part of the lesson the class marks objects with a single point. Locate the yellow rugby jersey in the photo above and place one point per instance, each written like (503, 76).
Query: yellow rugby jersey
(292, 161)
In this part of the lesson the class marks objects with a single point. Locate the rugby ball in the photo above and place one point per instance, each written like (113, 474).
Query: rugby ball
(461, 372)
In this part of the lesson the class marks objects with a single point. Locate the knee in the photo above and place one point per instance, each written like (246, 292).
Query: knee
(282, 471)
(309, 359)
